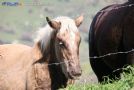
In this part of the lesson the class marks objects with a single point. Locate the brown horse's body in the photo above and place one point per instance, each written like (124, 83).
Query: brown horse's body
(17, 71)
(112, 31)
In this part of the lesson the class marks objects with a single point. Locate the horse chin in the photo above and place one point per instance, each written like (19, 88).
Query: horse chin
(68, 74)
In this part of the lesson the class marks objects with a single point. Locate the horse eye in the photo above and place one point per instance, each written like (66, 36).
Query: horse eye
(61, 44)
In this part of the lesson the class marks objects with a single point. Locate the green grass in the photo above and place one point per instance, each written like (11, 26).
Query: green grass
(125, 83)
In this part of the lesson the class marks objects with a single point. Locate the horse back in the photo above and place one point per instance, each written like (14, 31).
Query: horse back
(15, 61)
(13, 55)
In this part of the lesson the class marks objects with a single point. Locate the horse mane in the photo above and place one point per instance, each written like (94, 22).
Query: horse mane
(44, 34)
(43, 37)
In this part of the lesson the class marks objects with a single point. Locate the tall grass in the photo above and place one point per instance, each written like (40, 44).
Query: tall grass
(125, 83)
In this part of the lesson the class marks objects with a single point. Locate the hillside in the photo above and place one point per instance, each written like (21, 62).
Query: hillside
(18, 21)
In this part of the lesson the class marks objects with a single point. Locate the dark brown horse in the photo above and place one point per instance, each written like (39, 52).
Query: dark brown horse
(111, 31)
(49, 64)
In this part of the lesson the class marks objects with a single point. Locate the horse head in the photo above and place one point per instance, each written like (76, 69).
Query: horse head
(67, 40)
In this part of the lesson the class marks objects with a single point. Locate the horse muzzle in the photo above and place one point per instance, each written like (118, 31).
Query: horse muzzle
(75, 73)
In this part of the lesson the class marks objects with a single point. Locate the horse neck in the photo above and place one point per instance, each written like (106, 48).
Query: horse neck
(55, 70)
(49, 57)
(44, 68)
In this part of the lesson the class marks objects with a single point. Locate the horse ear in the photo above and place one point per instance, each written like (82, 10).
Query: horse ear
(53, 24)
(79, 20)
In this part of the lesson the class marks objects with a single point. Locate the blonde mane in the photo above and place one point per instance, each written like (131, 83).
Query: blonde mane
(44, 34)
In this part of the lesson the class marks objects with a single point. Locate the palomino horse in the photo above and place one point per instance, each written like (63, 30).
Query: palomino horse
(112, 31)
(49, 64)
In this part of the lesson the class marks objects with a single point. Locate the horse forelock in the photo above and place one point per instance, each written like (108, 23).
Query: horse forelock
(66, 24)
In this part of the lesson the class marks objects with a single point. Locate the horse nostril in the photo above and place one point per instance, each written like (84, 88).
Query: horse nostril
(77, 72)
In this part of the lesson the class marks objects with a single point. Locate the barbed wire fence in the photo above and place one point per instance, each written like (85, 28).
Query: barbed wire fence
(97, 57)
(110, 54)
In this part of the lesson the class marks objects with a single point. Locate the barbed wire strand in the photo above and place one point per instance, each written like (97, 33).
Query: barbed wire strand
(96, 57)
(109, 54)
(58, 63)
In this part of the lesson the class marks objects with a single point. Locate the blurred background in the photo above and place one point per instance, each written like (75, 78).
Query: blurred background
(20, 19)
